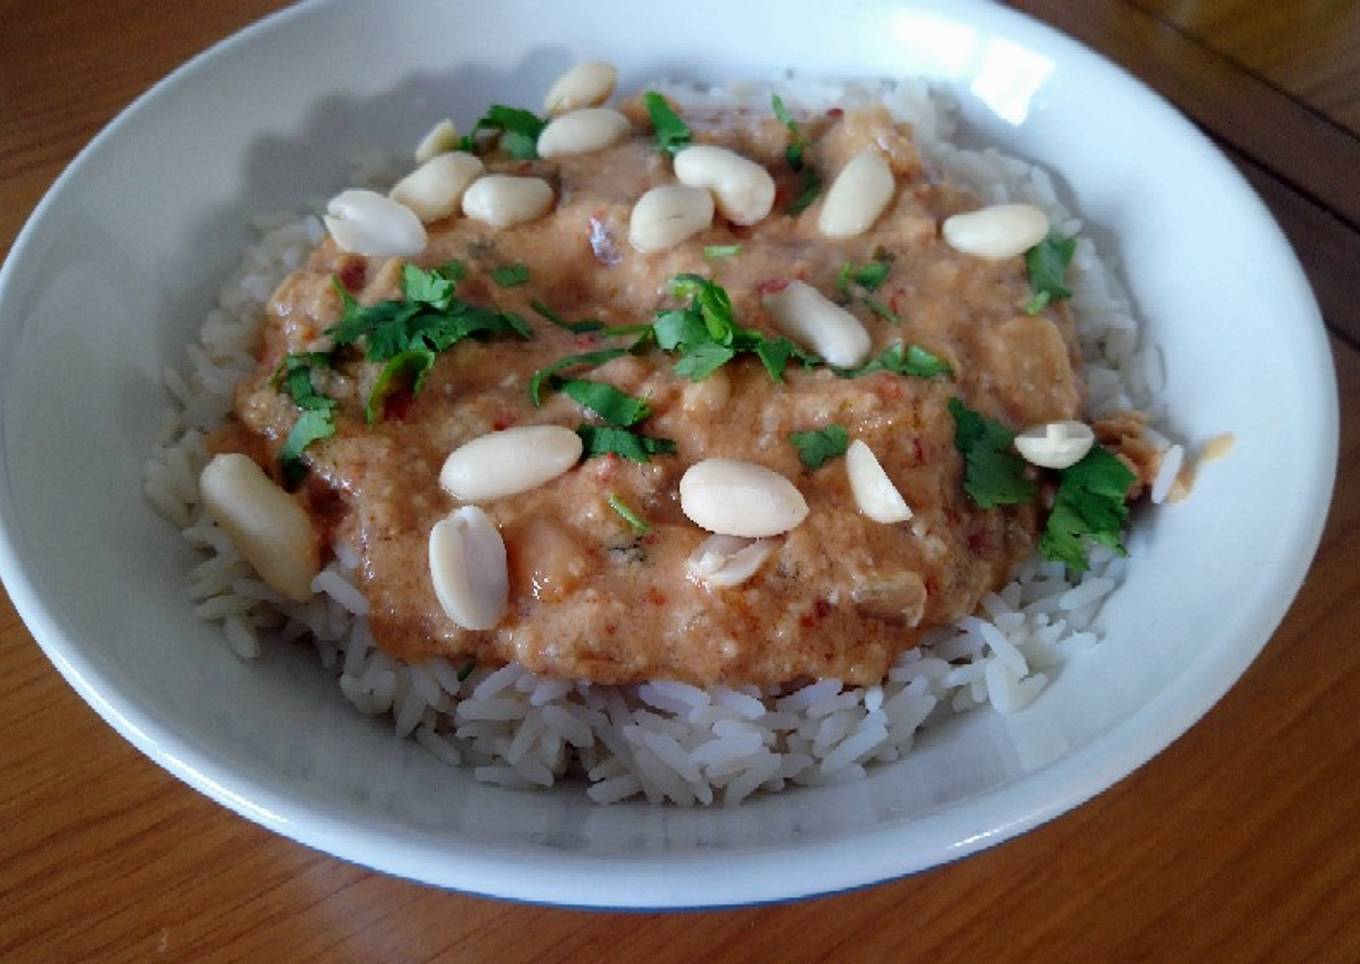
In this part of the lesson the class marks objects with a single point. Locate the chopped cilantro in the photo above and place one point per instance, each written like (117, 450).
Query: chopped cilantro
(716, 252)
(606, 401)
(466, 669)
(1089, 505)
(808, 189)
(672, 134)
(819, 445)
(294, 378)
(431, 317)
(606, 440)
(993, 474)
(638, 523)
(582, 327)
(1046, 264)
(510, 275)
(615, 331)
(519, 130)
(414, 363)
(311, 426)
(912, 361)
(706, 335)
(855, 281)
(797, 141)
(547, 371)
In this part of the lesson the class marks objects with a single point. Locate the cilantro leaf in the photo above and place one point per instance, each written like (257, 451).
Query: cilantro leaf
(912, 361)
(519, 130)
(716, 252)
(869, 276)
(607, 440)
(638, 523)
(579, 327)
(819, 445)
(510, 275)
(311, 426)
(679, 328)
(427, 287)
(703, 360)
(809, 188)
(993, 474)
(1090, 504)
(466, 669)
(415, 362)
(1046, 264)
(547, 371)
(797, 141)
(606, 401)
(672, 134)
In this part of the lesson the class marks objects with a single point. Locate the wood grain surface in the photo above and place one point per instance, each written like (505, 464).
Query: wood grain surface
(1239, 843)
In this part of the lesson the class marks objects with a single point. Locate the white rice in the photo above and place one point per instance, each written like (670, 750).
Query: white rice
(664, 740)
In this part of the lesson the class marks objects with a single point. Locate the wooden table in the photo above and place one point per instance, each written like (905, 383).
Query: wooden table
(1240, 842)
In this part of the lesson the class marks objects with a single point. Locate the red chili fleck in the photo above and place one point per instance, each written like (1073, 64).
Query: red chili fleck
(835, 112)
(823, 608)
(503, 422)
(587, 341)
(978, 542)
(656, 597)
(739, 230)
(807, 622)
(919, 449)
(888, 386)
(772, 285)
(352, 275)
(526, 168)
(398, 404)
(608, 467)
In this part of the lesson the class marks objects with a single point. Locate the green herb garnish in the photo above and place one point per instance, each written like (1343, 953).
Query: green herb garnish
(993, 474)
(855, 281)
(1046, 264)
(819, 445)
(716, 252)
(912, 361)
(466, 669)
(638, 523)
(1090, 504)
(585, 326)
(293, 377)
(809, 187)
(414, 363)
(706, 336)
(606, 401)
(510, 275)
(519, 130)
(608, 440)
(672, 134)
(797, 141)
(547, 371)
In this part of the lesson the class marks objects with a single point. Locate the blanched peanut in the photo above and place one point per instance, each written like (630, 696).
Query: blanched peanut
(582, 131)
(585, 85)
(505, 463)
(899, 598)
(996, 232)
(264, 522)
(858, 196)
(874, 492)
(365, 222)
(468, 569)
(667, 215)
(743, 189)
(736, 498)
(724, 561)
(435, 189)
(810, 318)
(502, 200)
(1055, 445)
(442, 138)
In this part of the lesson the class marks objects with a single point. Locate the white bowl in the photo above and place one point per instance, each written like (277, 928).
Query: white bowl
(111, 276)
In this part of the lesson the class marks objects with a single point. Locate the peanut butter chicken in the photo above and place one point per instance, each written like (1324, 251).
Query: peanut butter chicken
(602, 583)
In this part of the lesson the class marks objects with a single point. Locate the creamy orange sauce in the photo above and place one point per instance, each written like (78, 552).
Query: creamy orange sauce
(842, 595)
